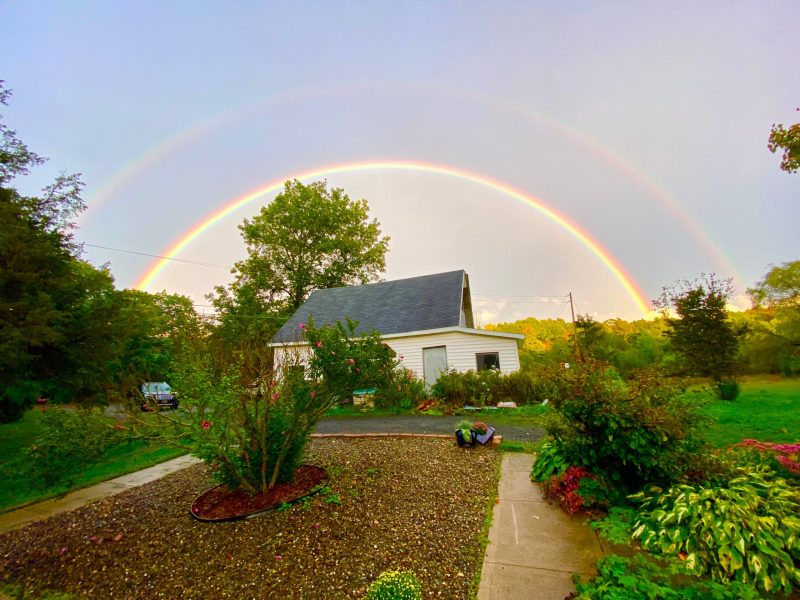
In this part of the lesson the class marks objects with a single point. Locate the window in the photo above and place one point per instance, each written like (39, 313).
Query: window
(488, 360)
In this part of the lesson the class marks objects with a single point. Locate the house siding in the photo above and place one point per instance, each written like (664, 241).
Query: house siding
(461, 350)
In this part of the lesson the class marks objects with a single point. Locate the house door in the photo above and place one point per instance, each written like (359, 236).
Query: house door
(434, 362)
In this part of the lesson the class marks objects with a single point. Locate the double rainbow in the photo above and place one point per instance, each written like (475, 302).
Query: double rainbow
(595, 247)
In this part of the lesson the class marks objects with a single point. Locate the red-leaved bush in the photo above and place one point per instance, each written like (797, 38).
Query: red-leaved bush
(565, 488)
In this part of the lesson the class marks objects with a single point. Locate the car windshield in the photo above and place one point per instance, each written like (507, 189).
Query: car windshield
(153, 387)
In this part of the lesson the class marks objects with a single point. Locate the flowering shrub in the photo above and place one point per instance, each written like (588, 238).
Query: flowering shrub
(565, 488)
(395, 585)
(785, 455)
(255, 437)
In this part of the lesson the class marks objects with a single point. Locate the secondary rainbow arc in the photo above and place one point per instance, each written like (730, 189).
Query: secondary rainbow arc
(611, 263)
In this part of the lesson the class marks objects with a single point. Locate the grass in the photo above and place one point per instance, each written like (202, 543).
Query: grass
(121, 459)
(768, 409)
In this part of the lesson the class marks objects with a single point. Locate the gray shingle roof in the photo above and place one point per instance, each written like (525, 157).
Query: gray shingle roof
(415, 304)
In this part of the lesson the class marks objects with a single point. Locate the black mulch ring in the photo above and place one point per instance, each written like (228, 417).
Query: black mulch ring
(417, 504)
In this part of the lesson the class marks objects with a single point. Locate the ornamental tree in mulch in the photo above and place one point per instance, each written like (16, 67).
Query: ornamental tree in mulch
(253, 435)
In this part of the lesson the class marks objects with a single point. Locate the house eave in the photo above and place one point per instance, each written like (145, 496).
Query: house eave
(424, 332)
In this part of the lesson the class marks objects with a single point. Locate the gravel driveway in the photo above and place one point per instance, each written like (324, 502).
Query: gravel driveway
(420, 424)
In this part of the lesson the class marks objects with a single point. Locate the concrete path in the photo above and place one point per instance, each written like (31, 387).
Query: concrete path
(534, 547)
(42, 510)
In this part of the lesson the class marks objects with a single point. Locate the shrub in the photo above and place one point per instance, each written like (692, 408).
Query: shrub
(728, 389)
(395, 585)
(401, 390)
(255, 438)
(621, 578)
(70, 441)
(747, 531)
(628, 433)
(550, 462)
(489, 386)
(565, 488)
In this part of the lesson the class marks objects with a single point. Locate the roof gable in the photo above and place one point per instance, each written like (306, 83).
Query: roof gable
(415, 304)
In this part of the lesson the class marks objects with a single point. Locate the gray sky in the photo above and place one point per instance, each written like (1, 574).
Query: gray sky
(644, 124)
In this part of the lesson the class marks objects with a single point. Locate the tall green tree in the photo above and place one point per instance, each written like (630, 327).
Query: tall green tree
(309, 237)
(776, 318)
(786, 139)
(702, 334)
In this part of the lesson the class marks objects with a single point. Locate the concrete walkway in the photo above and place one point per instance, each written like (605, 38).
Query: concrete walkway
(534, 547)
(42, 510)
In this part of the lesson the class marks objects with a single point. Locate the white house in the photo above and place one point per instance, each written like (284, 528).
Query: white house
(426, 320)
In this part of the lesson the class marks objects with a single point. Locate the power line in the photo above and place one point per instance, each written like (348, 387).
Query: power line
(183, 260)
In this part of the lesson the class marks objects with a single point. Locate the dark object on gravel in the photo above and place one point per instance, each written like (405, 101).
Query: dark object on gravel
(220, 504)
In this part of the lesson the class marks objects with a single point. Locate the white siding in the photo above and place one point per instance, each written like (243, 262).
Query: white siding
(461, 350)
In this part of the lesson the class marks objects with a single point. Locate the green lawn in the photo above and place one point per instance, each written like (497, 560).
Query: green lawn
(118, 460)
(768, 409)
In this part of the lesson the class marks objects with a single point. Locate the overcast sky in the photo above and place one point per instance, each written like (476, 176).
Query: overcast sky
(642, 123)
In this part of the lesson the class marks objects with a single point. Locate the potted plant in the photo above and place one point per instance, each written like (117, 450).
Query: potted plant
(481, 432)
(464, 432)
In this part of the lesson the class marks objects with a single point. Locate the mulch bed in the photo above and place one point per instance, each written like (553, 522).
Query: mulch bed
(220, 503)
(417, 504)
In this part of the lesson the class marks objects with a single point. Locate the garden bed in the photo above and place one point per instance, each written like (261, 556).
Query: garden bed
(418, 504)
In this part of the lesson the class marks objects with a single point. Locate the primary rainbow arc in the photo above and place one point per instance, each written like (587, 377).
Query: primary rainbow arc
(595, 247)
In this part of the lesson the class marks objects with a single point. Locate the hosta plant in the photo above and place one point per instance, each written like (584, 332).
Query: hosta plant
(746, 531)
(550, 462)
(395, 585)
(621, 578)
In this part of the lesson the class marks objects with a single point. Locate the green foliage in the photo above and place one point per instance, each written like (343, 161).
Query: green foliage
(628, 433)
(489, 386)
(702, 334)
(747, 530)
(401, 391)
(255, 436)
(788, 140)
(728, 389)
(621, 578)
(550, 462)
(307, 238)
(395, 585)
(616, 527)
(69, 441)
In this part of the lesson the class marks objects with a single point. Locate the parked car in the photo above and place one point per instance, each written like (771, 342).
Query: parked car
(158, 393)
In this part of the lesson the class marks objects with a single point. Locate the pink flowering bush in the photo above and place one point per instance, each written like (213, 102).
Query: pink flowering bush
(254, 435)
(785, 455)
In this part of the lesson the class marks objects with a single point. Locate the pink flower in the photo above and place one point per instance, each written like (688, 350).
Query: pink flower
(278, 557)
(319, 344)
(41, 400)
(402, 357)
(205, 425)
(313, 394)
(333, 353)
(275, 396)
(358, 370)
(302, 325)
(351, 361)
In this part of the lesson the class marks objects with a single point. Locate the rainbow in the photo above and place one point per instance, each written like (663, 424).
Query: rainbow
(609, 261)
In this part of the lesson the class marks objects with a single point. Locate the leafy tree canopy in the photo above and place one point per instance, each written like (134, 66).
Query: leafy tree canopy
(308, 238)
(779, 287)
(788, 140)
(702, 334)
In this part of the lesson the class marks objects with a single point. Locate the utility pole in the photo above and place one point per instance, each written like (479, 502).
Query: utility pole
(575, 329)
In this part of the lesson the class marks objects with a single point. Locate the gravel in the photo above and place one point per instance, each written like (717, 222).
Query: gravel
(417, 504)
